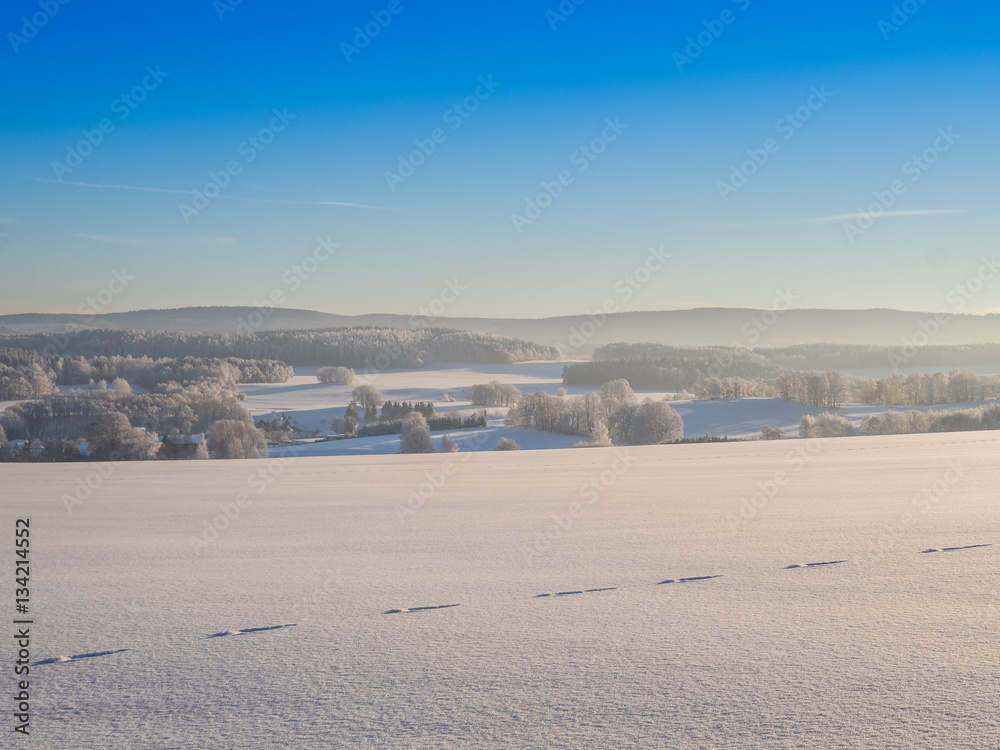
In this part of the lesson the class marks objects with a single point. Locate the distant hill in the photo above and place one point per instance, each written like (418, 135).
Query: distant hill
(579, 334)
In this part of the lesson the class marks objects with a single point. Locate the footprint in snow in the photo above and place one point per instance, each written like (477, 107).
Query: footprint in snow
(813, 564)
(418, 609)
(687, 580)
(246, 631)
(580, 591)
(952, 549)
(78, 657)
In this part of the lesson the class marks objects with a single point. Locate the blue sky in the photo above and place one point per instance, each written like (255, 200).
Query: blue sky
(687, 117)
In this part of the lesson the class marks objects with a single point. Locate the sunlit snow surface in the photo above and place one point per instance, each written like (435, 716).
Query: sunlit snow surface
(894, 648)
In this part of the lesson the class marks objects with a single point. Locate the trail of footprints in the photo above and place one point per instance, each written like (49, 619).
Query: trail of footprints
(427, 608)
(689, 579)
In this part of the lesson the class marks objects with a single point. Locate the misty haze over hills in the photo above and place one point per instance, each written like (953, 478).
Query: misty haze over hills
(577, 334)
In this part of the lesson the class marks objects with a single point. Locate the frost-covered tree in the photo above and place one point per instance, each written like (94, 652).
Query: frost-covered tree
(341, 375)
(599, 438)
(415, 437)
(231, 438)
(772, 433)
(655, 422)
(448, 445)
(6, 452)
(140, 446)
(493, 393)
(826, 425)
(110, 433)
(369, 398)
(617, 389)
(506, 444)
(120, 387)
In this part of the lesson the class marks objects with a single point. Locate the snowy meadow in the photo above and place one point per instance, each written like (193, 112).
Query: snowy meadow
(663, 596)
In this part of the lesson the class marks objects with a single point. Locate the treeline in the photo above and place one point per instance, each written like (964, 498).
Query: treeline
(907, 422)
(684, 368)
(29, 374)
(451, 420)
(493, 393)
(828, 356)
(185, 408)
(902, 422)
(716, 374)
(612, 414)
(358, 347)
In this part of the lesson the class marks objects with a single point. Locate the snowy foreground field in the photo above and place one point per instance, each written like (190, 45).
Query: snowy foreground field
(892, 648)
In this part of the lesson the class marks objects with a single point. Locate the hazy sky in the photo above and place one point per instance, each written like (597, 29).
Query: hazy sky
(837, 102)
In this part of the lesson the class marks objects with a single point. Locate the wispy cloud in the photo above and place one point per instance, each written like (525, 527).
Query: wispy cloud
(224, 197)
(849, 217)
(821, 219)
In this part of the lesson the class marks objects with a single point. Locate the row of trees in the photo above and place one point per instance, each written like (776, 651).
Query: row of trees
(903, 422)
(25, 374)
(400, 409)
(493, 393)
(111, 437)
(819, 356)
(372, 347)
(912, 421)
(340, 375)
(822, 390)
(188, 409)
(612, 413)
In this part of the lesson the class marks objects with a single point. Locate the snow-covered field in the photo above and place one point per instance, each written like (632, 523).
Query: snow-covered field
(312, 406)
(175, 625)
